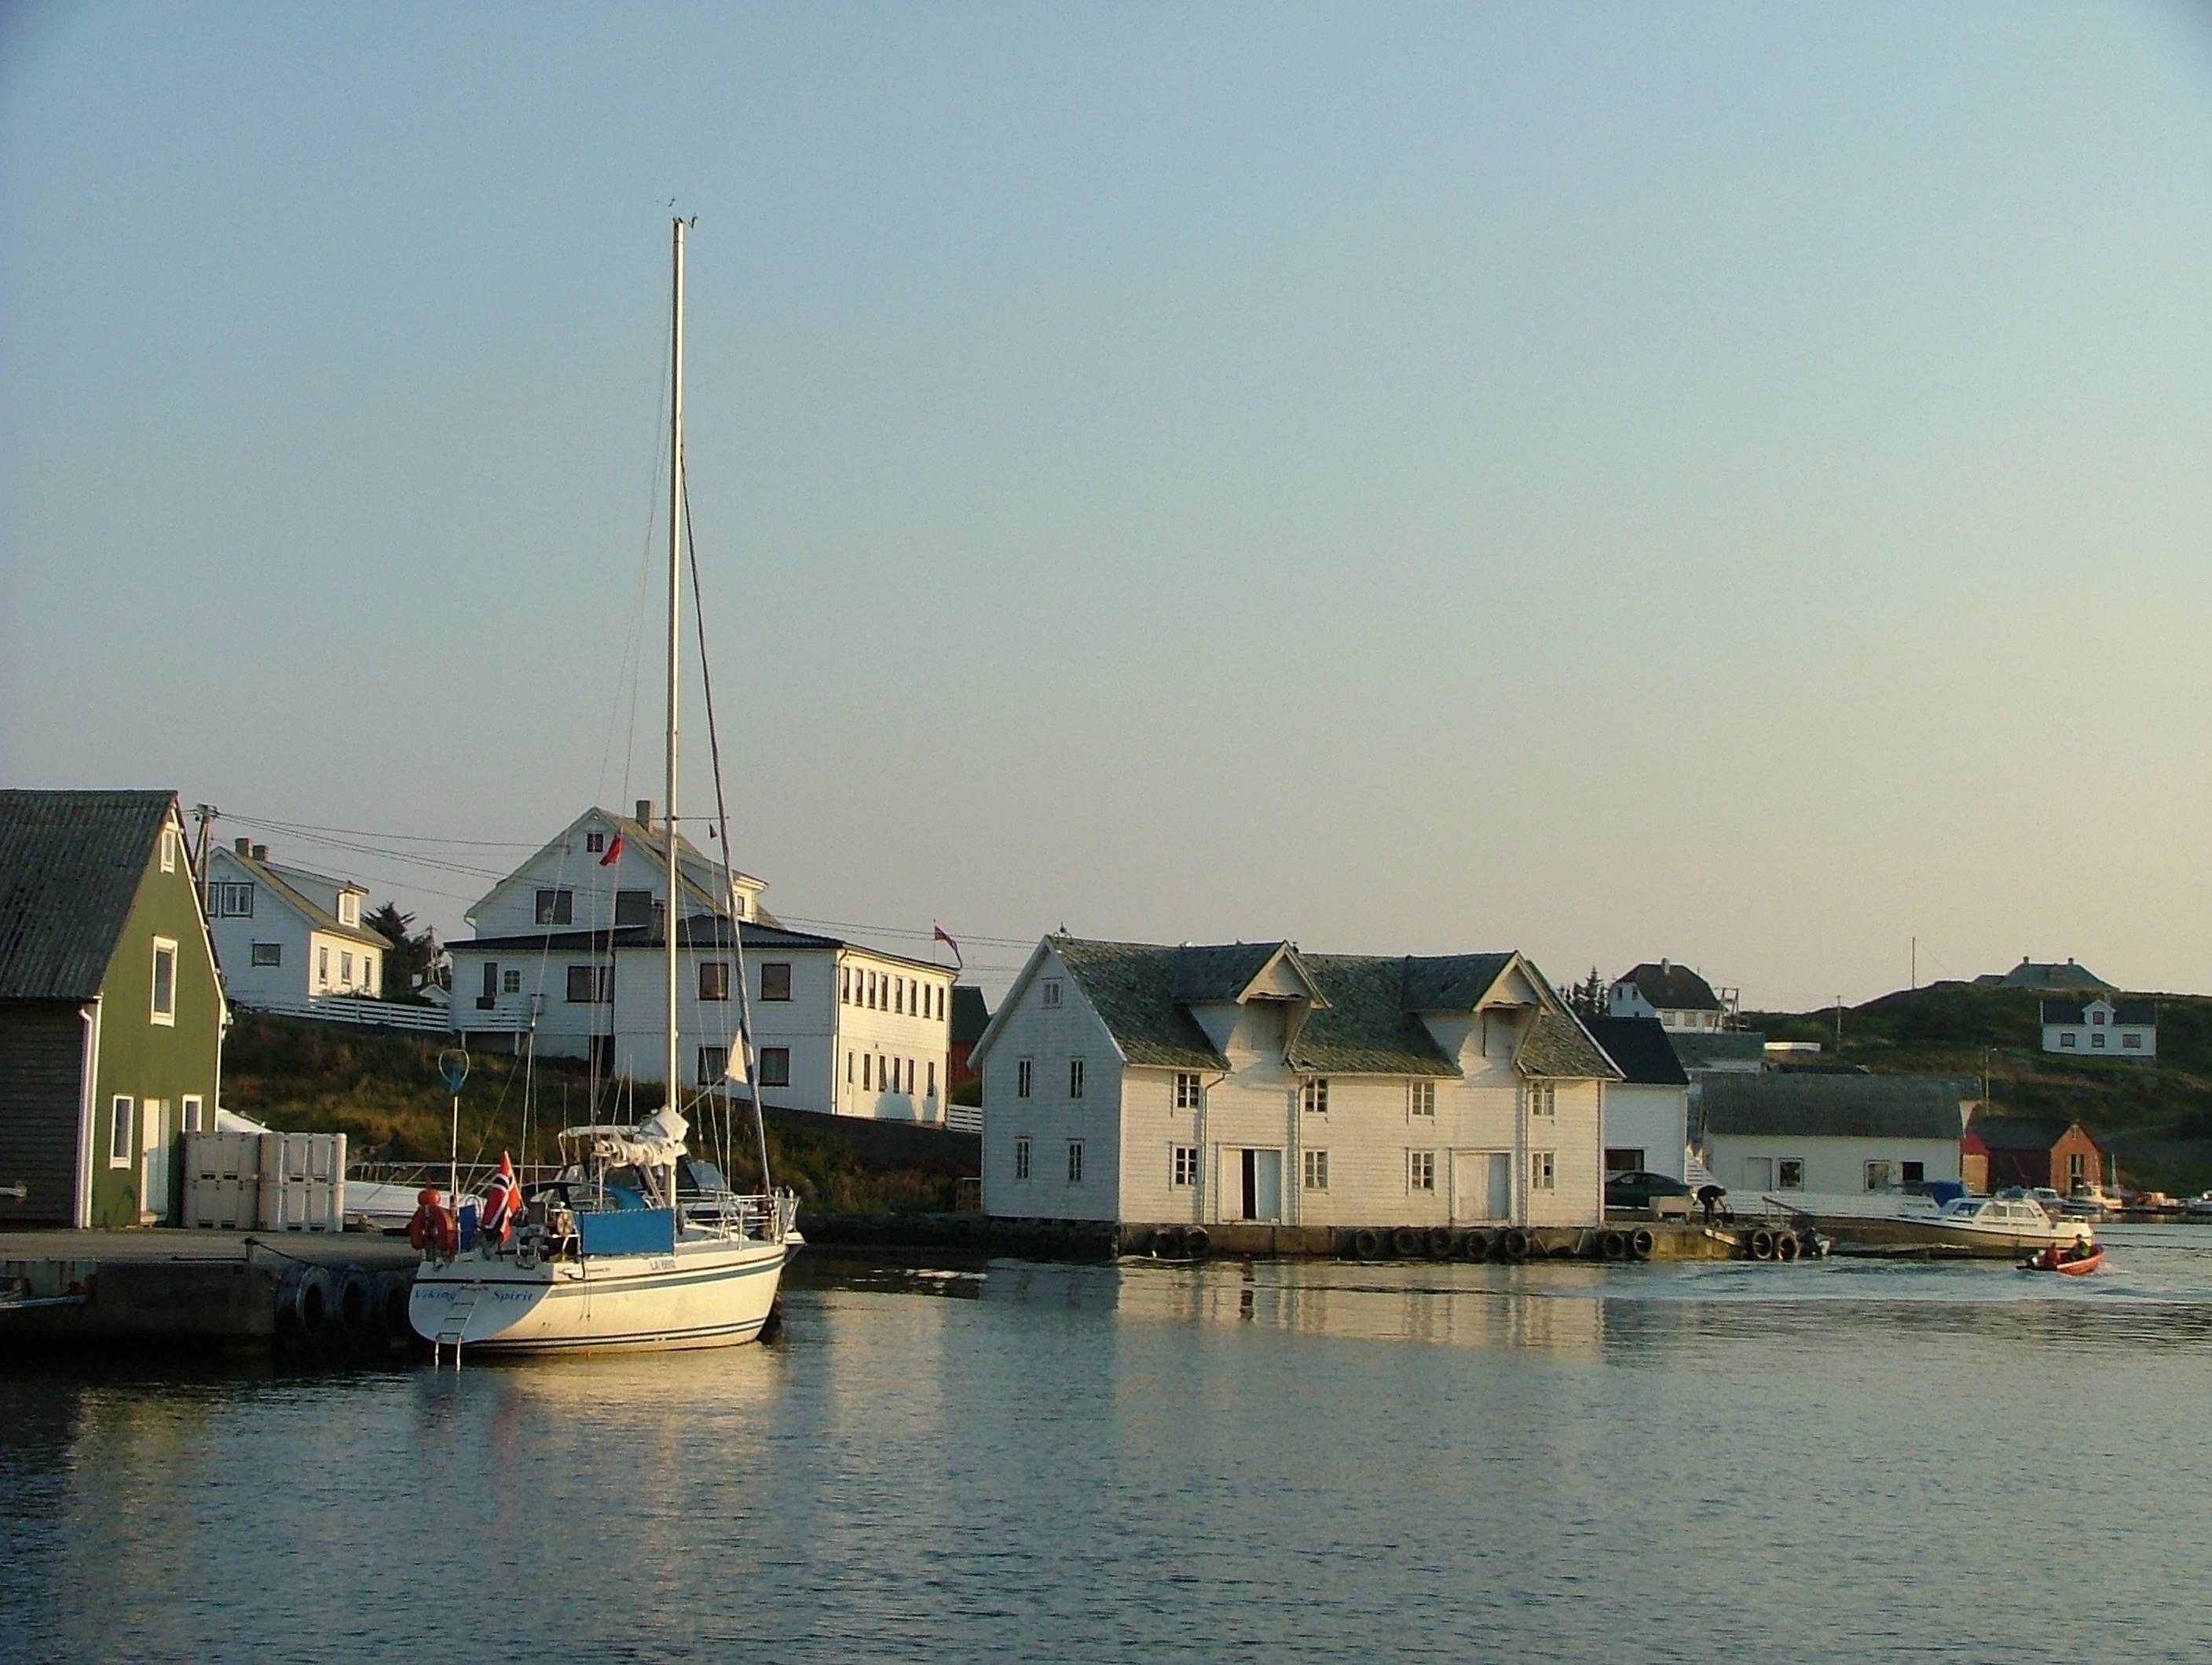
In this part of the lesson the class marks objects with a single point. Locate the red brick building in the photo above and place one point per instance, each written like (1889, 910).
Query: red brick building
(1998, 1151)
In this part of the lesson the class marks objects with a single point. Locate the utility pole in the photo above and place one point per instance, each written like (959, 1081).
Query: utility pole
(205, 814)
(1840, 1026)
(1914, 976)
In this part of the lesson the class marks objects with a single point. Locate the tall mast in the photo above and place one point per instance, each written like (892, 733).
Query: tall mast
(675, 620)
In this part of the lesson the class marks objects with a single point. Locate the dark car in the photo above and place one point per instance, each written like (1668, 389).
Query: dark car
(1637, 1188)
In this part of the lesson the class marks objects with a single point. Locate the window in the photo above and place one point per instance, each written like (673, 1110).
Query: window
(898, 995)
(1075, 1077)
(714, 1065)
(1790, 1174)
(1316, 1166)
(1187, 1091)
(868, 1071)
(323, 965)
(2067, 1039)
(1025, 1077)
(234, 900)
(632, 908)
(1420, 1171)
(594, 842)
(872, 992)
(1542, 1098)
(1313, 1096)
(350, 908)
(268, 953)
(591, 985)
(368, 973)
(1182, 1166)
(2096, 1042)
(776, 1066)
(737, 906)
(511, 980)
(189, 1113)
(1049, 995)
(844, 984)
(1075, 1162)
(929, 1089)
(1623, 1160)
(2097, 1016)
(1912, 1173)
(345, 968)
(1421, 1098)
(165, 981)
(848, 1069)
(1877, 1176)
(2131, 1042)
(556, 907)
(713, 980)
(1021, 1158)
(118, 1131)
(1541, 1171)
(168, 849)
(2077, 1171)
(775, 981)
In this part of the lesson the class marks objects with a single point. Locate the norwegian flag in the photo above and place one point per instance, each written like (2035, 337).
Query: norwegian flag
(939, 933)
(614, 849)
(503, 1198)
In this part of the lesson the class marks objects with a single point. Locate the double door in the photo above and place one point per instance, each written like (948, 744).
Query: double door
(1252, 1183)
(1482, 1182)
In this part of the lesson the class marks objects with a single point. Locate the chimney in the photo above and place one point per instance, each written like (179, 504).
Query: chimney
(645, 810)
(261, 852)
(243, 846)
(1665, 964)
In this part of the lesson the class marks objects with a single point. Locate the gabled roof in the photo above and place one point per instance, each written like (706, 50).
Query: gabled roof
(1638, 1046)
(1451, 983)
(698, 931)
(1558, 1046)
(70, 865)
(2078, 1011)
(2040, 974)
(1808, 1106)
(644, 841)
(2018, 1132)
(277, 880)
(1130, 986)
(1667, 987)
(970, 1016)
(1366, 1029)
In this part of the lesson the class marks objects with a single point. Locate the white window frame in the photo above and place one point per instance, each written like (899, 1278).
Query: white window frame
(1075, 1162)
(2066, 1038)
(169, 848)
(1048, 993)
(1189, 1089)
(1183, 1167)
(1075, 1077)
(594, 843)
(1315, 1170)
(163, 946)
(350, 909)
(1867, 1173)
(1782, 1167)
(1543, 1099)
(233, 899)
(1543, 1171)
(345, 968)
(1420, 1171)
(1312, 1095)
(510, 981)
(1022, 1159)
(122, 1130)
(191, 1109)
(322, 965)
(1025, 1077)
(1421, 1099)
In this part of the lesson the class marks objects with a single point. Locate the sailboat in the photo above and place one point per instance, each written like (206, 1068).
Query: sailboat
(635, 1244)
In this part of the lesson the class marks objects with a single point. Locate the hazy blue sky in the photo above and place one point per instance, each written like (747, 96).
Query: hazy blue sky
(1726, 481)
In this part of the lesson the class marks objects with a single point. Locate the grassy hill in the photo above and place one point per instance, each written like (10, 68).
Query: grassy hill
(2156, 1118)
(384, 1093)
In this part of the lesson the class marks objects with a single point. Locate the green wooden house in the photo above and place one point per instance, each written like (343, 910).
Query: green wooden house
(112, 1014)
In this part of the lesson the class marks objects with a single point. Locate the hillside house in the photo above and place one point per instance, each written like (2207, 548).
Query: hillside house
(2054, 975)
(1830, 1134)
(286, 937)
(111, 1013)
(2101, 1025)
(1647, 1112)
(1149, 1083)
(2001, 1151)
(1677, 996)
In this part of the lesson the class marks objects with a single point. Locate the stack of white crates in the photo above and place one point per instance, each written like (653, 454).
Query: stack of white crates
(267, 1181)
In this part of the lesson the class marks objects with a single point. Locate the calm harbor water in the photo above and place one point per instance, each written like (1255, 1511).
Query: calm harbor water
(1041, 1461)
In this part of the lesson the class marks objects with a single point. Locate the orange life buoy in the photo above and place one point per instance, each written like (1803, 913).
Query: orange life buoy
(434, 1226)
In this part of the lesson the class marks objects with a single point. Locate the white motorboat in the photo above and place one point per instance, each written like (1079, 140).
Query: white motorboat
(2199, 1207)
(619, 1252)
(2004, 1224)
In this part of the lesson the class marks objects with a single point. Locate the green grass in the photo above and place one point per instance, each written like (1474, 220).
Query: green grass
(2156, 1118)
(386, 1094)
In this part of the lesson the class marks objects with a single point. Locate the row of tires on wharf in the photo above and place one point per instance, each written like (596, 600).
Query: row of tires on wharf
(345, 1313)
(1513, 1245)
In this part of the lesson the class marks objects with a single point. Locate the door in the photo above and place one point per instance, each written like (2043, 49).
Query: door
(1484, 1182)
(1256, 1184)
(154, 1158)
(1759, 1173)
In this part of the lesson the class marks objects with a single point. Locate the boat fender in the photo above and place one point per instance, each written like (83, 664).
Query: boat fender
(1762, 1244)
(1515, 1244)
(1440, 1242)
(1167, 1242)
(1405, 1241)
(1367, 1243)
(353, 1304)
(1615, 1246)
(1475, 1246)
(1196, 1242)
(393, 1288)
(305, 1314)
(1786, 1246)
(1641, 1242)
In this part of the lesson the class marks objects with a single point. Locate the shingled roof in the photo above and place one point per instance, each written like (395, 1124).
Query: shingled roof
(1640, 1048)
(1131, 985)
(2018, 1132)
(71, 864)
(1366, 1029)
(1809, 1106)
(2073, 1012)
(1667, 987)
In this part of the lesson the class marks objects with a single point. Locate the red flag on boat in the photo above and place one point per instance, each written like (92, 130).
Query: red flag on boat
(614, 849)
(503, 1198)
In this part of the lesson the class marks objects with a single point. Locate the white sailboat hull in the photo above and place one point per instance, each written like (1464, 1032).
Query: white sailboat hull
(712, 1291)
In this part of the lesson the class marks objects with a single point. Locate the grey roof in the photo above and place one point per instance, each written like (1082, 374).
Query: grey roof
(70, 865)
(1667, 987)
(2078, 1011)
(1834, 1106)
(278, 880)
(699, 931)
(1451, 983)
(2037, 973)
(1220, 971)
(970, 1016)
(1699, 1049)
(1366, 1029)
(2019, 1132)
(1556, 1046)
(1638, 1046)
(1131, 985)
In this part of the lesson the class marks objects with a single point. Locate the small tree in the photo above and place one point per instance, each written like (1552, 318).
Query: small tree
(414, 957)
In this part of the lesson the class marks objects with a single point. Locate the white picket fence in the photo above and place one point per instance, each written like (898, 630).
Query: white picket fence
(266, 1182)
(357, 1010)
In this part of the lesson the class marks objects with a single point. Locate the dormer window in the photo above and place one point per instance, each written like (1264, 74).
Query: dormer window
(168, 849)
(350, 909)
(2097, 1015)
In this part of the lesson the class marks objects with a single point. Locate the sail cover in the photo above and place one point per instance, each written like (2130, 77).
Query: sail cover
(655, 1142)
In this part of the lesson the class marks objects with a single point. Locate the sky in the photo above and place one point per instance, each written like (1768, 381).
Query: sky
(1726, 482)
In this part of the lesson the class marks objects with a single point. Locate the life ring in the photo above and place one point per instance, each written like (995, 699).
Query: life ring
(306, 1312)
(1367, 1243)
(433, 1227)
(1514, 1244)
(1614, 1245)
(1196, 1242)
(1475, 1246)
(1762, 1244)
(1641, 1242)
(1440, 1242)
(1786, 1246)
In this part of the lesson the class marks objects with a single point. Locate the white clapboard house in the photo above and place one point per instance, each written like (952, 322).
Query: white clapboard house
(570, 948)
(1250, 1081)
(1647, 1111)
(1677, 996)
(287, 938)
(2118, 1028)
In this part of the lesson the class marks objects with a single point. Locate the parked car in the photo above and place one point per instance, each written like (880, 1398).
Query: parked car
(1637, 1188)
